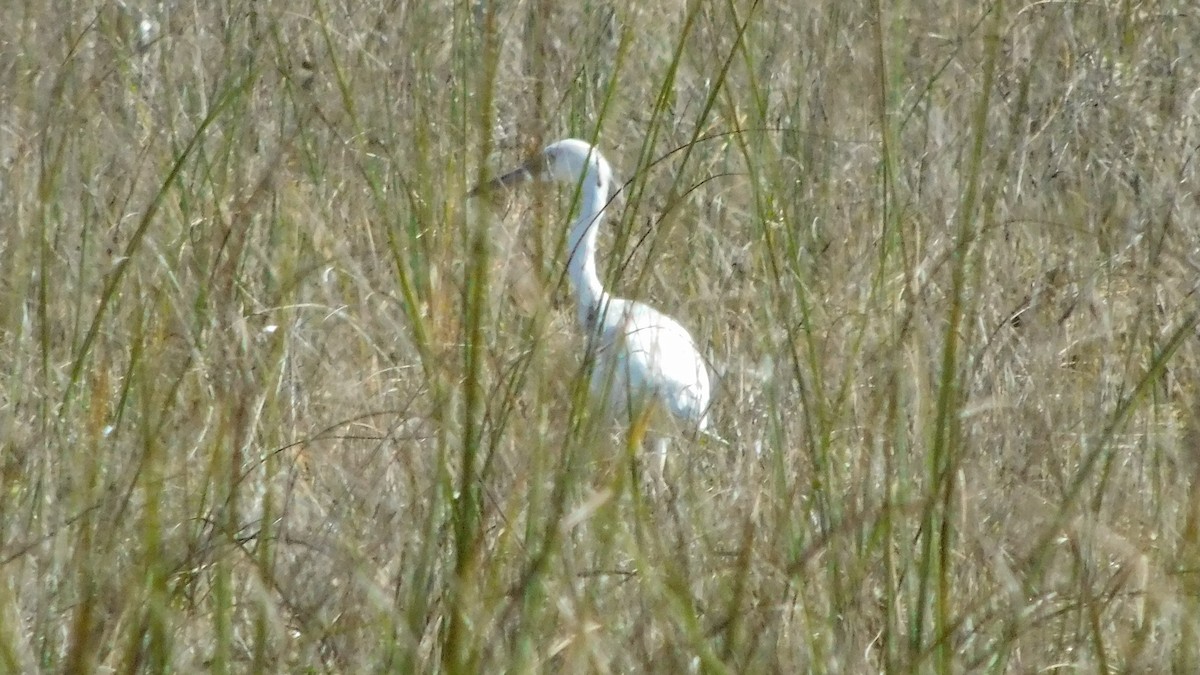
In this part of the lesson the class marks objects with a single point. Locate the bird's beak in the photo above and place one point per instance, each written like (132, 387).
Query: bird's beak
(529, 171)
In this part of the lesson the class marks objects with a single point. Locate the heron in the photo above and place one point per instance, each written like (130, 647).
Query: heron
(641, 360)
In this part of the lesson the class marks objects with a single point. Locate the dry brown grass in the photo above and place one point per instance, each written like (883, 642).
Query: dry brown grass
(276, 397)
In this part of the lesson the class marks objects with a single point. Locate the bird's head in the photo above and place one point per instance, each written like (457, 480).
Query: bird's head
(566, 161)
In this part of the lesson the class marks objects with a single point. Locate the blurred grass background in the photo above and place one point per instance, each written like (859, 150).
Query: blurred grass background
(275, 396)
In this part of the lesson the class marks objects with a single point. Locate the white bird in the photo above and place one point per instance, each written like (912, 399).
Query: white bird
(643, 359)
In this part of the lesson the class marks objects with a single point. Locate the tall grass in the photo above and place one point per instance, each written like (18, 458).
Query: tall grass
(277, 396)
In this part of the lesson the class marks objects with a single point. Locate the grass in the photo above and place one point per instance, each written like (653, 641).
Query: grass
(276, 396)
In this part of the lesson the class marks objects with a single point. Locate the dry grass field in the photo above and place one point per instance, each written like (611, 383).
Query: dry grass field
(276, 396)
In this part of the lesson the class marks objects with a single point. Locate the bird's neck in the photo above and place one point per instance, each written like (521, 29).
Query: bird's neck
(581, 246)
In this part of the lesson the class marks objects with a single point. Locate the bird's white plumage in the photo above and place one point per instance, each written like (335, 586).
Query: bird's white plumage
(641, 356)
(644, 355)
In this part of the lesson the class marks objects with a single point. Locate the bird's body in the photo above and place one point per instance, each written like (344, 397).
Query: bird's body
(644, 357)
(641, 358)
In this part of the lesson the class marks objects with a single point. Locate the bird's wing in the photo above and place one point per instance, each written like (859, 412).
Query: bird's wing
(660, 357)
